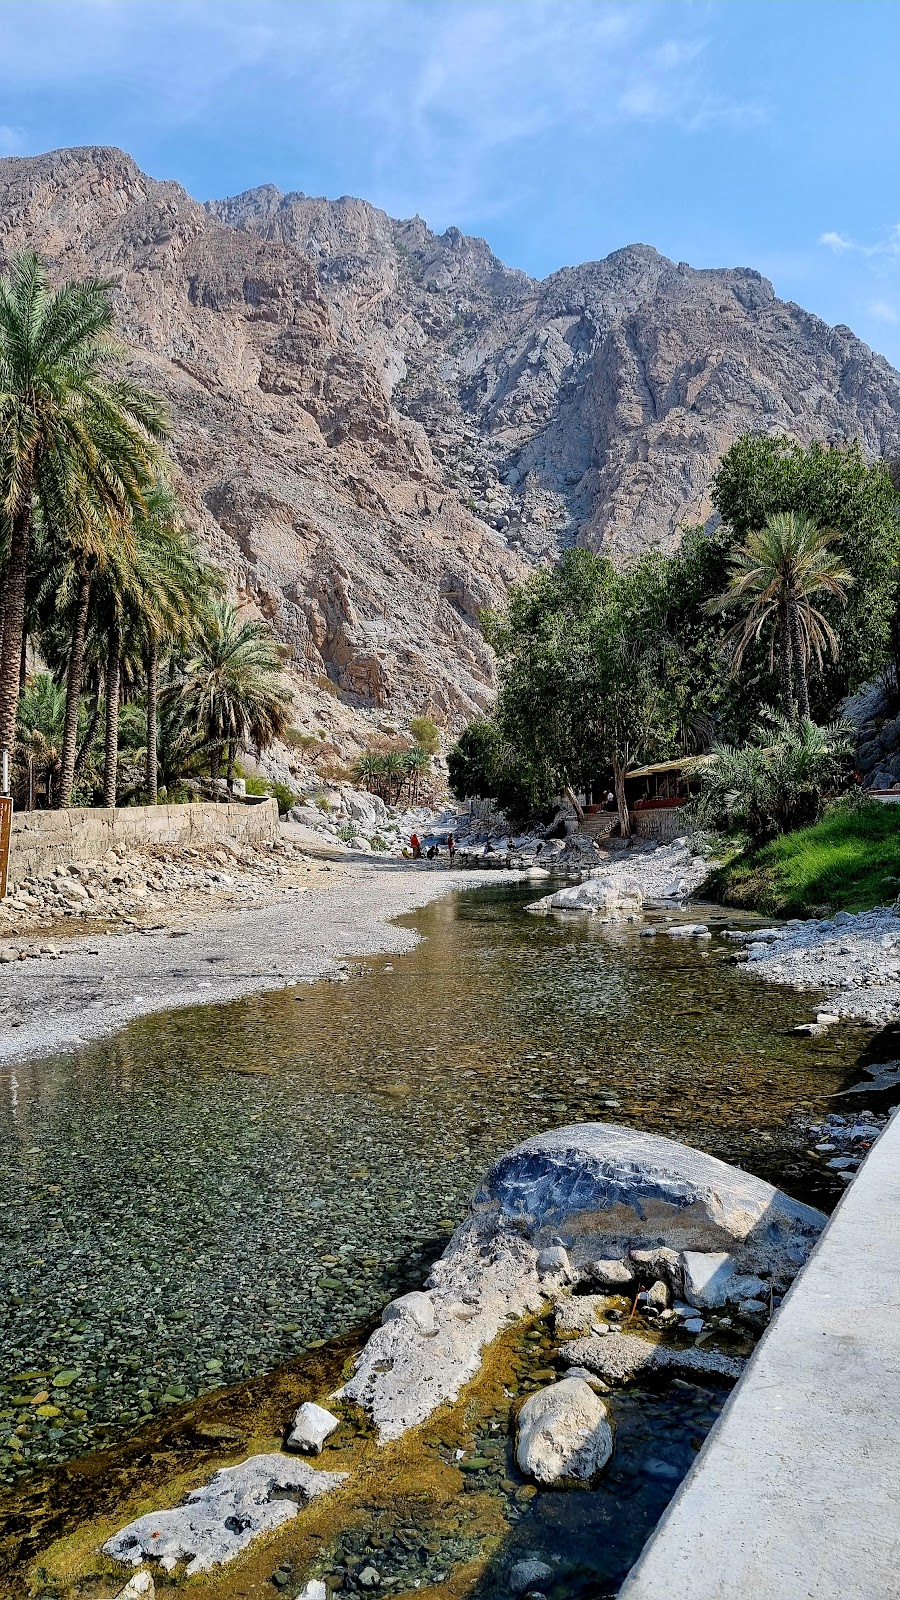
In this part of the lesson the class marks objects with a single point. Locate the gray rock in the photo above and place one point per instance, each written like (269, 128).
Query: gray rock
(224, 1516)
(659, 1296)
(311, 1427)
(612, 894)
(712, 1278)
(659, 1262)
(553, 1260)
(563, 1434)
(606, 1189)
(621, 1356)
(578, 1313)
(528, 1574)
(611, 1274)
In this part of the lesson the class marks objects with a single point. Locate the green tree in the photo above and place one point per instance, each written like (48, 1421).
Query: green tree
(776, 576)
(836, 488)
(426, 734)
(231, 690)
(77, 439)
(586, 672)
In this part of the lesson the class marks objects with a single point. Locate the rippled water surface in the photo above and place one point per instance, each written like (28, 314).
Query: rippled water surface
(215, 1190)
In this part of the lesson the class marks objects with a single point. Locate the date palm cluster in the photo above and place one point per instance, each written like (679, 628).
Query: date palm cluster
(100, 574)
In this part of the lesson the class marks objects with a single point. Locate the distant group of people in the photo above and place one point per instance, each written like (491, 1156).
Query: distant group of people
(433, 850)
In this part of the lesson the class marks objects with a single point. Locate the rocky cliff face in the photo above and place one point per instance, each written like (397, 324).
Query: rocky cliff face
(379, 428)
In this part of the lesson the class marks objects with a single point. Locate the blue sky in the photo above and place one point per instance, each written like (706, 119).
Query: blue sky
(724, 132)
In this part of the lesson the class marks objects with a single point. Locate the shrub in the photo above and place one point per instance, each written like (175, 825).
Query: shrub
(426, 734)
(779, 782)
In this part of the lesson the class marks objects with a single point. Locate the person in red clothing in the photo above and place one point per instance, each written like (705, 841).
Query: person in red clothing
(416, 847)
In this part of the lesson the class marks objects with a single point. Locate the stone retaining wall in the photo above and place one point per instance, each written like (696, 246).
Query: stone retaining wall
(42, 840)
(666, 823)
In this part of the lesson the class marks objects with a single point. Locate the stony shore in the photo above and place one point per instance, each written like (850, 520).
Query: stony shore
(194, 929)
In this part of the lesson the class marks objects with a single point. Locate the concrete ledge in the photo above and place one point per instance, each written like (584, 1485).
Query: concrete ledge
(795, 1494)
(42, 840)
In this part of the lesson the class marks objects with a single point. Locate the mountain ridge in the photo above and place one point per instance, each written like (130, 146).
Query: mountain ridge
(379, 427)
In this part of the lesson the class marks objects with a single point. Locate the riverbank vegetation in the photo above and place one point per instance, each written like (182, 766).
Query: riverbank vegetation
(120, 659)
(849, 860)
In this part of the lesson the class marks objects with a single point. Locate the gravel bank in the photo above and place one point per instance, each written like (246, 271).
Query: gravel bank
(307, 918)
(854, 958)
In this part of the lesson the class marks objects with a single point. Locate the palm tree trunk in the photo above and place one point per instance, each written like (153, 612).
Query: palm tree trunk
(229, 769)
(113, 675)
(785, 675)
(799, 662)
(151, 782)
(73, 692)
(14, 618)
(619, 770)
(90, 736)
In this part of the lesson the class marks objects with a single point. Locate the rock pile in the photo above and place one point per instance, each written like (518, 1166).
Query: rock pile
(132, 886)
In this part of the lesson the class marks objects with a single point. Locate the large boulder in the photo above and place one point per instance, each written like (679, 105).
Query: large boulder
(611, 894)
(563, 1434)
(600, 1189)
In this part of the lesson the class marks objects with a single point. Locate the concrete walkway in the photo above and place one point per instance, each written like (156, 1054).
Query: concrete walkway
(796, 1493)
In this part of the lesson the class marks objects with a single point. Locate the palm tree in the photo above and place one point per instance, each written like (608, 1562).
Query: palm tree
(231, 689)
(175, 585)
(775, 577)
(39, 729)
(77, 438)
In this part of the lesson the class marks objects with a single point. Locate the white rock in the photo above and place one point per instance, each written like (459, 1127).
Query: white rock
(563, 1433)
(313, 1590)
(416, 1307)
(712, 1278)
(311, 1427)
(221, 1518)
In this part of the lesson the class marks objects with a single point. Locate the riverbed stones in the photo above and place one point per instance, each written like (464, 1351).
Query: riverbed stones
(606, 1189)
(223, 1516)
(563, 1434)
(312, 1425)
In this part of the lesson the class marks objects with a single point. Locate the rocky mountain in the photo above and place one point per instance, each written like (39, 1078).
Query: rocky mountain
(379, 428)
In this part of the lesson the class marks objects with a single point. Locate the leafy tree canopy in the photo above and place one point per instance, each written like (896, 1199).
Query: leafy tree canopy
(835, 487)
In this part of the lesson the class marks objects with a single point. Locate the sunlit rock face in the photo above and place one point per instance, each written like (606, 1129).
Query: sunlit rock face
(379, 427)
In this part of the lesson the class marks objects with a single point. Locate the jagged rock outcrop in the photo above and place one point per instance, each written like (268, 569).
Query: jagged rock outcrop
(379, 427)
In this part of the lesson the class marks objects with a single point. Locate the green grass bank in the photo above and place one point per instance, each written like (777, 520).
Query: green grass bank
(848, 861)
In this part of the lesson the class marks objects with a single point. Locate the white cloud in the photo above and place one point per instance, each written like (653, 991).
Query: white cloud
(838, 242)
(883, 311)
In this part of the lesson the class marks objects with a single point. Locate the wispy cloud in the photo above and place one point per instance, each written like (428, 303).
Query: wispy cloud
(447, 92)
(882, 311)
(888, 245)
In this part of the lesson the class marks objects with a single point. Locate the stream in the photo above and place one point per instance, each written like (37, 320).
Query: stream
(222, 1194)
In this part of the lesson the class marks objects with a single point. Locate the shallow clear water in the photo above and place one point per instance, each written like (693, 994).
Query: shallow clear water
(214, 1190)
